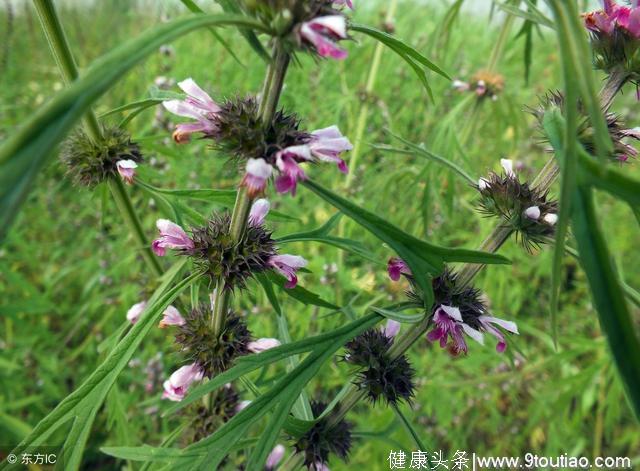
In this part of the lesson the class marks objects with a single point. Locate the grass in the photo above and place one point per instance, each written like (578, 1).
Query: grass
(68, 271)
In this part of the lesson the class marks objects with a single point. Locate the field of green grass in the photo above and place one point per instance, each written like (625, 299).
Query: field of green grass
(69, 270)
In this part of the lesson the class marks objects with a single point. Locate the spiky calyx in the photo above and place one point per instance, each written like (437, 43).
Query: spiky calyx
(618, 49)
(214, 353)
(215, 251)
(91, 162)
(446, 291)
(284, 15)
(321, 440)
(383, 377)
(242, 135)
(205, 421)
(586, 134)
(505, 197)
(487, 84)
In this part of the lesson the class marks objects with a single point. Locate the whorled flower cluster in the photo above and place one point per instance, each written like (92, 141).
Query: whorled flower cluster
(457, 311)
(214, 250)
(484, 84)
(321, 440)
(619, 134)
(382, 377)
(529, 211)
(236, 128)
(91, 162)
(615, 36)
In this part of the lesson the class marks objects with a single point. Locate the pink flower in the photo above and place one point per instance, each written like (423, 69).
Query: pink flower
(392, 328)
(126, 169)
(349, 3)
(323, 32)
(287, 265)
(255, 179)
(448, 324)
(242, 405)
(171, 316)
(172, 236)
(134, 312)
(460, 86)
(259, 210)
(290, 171)
(197, 105)
(396, 267)
(175, 388)
(275, 457)
(263, 344)
(488, 322)
(327, 144)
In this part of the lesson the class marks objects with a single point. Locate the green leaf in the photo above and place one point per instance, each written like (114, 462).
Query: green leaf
(425, 260)
(321, 234)
(24, 154)
(302, 408)
(413, 58)
(422, 152)
(81, 406)
(191, 5)
(607, 292)
(531, 15)
(231, 6)
(396, 316)
(299, 293)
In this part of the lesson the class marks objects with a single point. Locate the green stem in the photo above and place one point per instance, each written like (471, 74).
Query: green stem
(59, 45)
(123, 202)
(62, 52)
(272, 88)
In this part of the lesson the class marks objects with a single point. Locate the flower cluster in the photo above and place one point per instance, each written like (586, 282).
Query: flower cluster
(90, 162)
(215, 252)
(484, 84)
(208, 353)
(237, 129)
(323, 439)
(382, 376)
(618, 132)
(457, 311)
(527, 210)
(615, 35)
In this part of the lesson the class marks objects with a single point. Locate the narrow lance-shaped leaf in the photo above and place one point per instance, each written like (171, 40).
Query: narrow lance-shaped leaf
(425, 260)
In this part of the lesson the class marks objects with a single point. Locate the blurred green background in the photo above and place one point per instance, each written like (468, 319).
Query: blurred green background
(69, 271)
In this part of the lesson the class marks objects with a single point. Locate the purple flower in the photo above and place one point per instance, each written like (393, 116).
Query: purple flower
(287, 265)
(171, 316)
(134, 312)
(259, 210)
(448, 324)
(126, 169)
(533, 212)
(199, 106)
(257, 174)
(175, 388)
(396, 267)
(327, 144)
(242, 405)
(488, 323)
(323, 32)
(172, 236)
(290, 171)
(263, 344)
(275, 457)
(392, 328)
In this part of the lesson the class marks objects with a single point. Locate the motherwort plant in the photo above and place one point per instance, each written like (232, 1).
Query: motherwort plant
(219, 257)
